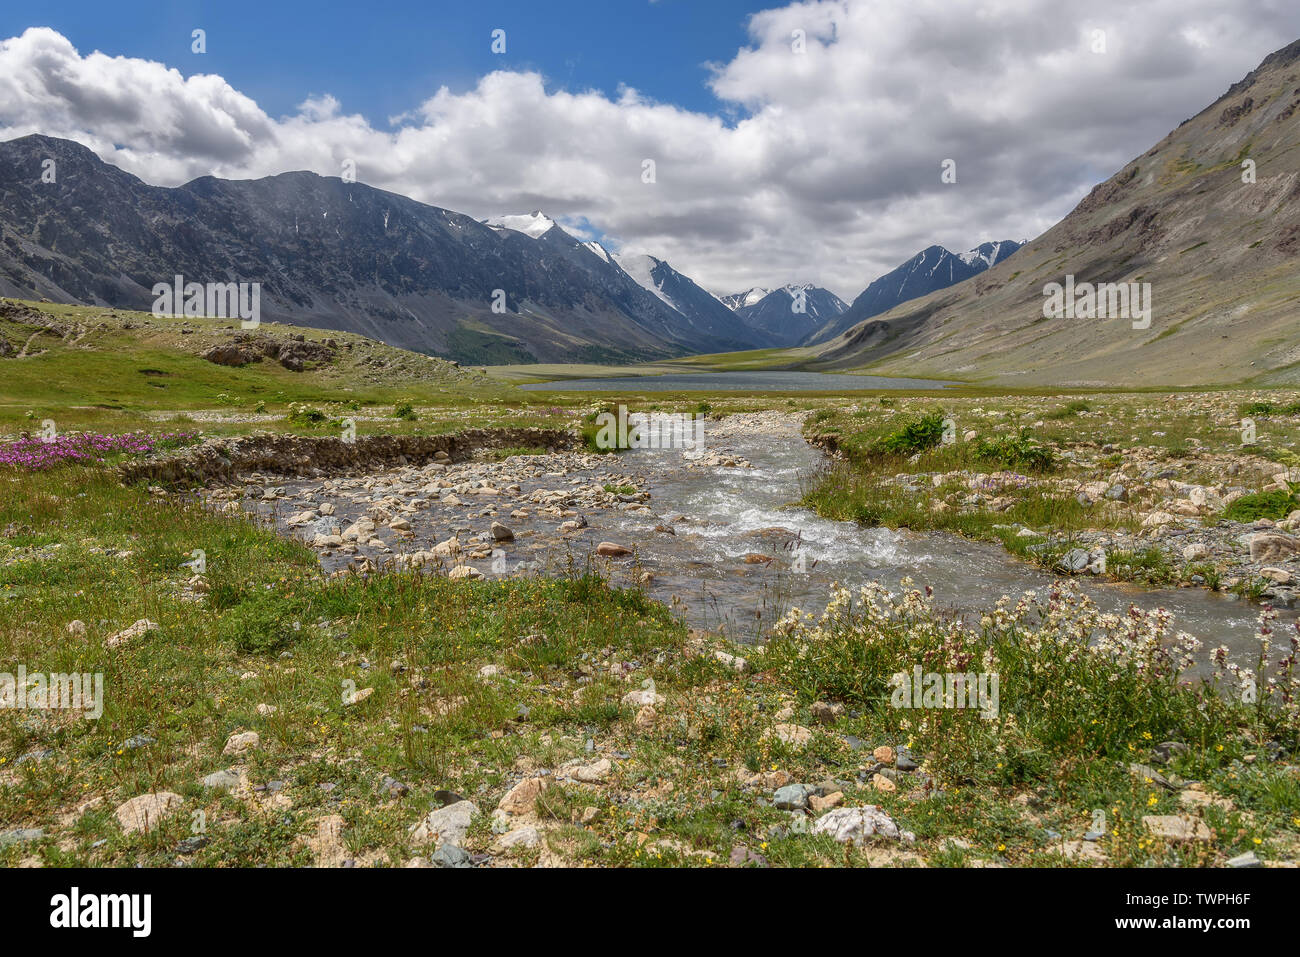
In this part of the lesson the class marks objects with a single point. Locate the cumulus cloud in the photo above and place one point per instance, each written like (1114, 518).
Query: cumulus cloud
(822, 164)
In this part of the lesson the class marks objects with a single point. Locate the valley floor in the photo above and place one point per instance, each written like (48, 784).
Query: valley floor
(257, 710)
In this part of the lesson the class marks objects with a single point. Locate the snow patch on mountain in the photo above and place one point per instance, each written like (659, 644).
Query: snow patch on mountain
(534, 224)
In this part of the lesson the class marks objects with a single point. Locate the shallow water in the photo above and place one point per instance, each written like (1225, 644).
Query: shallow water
(738, 382)
(701, 567)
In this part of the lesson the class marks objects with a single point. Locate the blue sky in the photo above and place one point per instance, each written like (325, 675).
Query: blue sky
(383, 59)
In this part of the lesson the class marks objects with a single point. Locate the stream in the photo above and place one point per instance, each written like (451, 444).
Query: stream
(740, 555)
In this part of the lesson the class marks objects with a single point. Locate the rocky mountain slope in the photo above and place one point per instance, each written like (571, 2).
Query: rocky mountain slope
(705, 312)
(1209, 217)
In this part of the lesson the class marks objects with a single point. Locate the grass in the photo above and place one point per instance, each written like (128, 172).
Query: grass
(262, 641)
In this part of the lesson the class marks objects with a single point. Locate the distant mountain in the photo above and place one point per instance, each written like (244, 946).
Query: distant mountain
(1205, 226)
(785, 316)
(929, 270)
(739, 300)
(332, 255)
(707, 315)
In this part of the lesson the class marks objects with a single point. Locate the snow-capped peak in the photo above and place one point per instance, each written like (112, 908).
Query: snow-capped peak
(533, 224)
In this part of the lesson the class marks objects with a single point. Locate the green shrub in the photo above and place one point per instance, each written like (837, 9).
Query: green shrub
(1019, 451)
(262, 624)
(918, 435)
(1274, 505)
(405, 411)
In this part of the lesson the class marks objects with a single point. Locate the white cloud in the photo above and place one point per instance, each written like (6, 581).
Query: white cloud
(829, 173)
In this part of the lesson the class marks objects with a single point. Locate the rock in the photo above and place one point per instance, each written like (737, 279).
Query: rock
(1149, 775)
(742, 856)
(77, 628)
(327, 847)
(446, 825)
(239, 743)
(883, 784)
(884, 754)
(393, 787)
(522, 798)
(643, 698)
(143, 813)
(734, 662)
(502, 533)
(592, 773)
(464, 572)
(1082, 850)
(520, 837)
(612, 550)
(793, 735)
(832, 800)
(1196, 553)
(449, 855)
(792, 797)
(1075, 560)
(1245, 860)
(356, 697)
(1272, 547)
(1156, 519)
(858, 823)
(645, 718)
(1278, 575)
(227, 780)
(489, 671)
(20, 835)
(825, 712)
(141, 627)
(1176, 828)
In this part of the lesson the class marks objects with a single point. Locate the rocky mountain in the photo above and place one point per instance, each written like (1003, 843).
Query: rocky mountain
(704, 311)
(739, 300)
(786, 316)
(329, 254)
(1204, 228)
(929, 270)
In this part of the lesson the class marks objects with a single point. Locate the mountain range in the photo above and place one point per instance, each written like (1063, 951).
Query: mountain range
(335, 255)
(341, 255)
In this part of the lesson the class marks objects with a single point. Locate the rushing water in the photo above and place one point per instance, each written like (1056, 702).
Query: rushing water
(731, 512)
(738, 382)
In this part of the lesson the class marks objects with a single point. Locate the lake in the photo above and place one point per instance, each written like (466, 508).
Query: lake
(738, 382)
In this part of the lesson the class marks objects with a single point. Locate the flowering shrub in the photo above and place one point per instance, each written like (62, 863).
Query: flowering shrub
(1073, 681)
(86, 448)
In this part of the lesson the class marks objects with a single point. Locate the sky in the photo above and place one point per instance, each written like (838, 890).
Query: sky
(799, 142)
